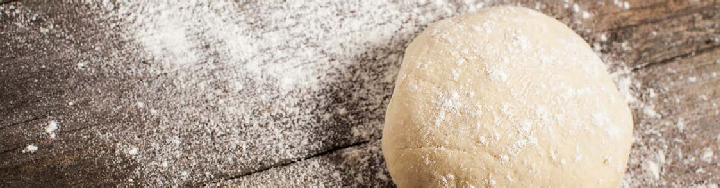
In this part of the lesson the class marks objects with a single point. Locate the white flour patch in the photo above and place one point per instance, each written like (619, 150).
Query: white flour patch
(132, 150)
(240, 86)
(653, 169)
(707, 155)
(51, 127)
(680, 124)
(30, 148)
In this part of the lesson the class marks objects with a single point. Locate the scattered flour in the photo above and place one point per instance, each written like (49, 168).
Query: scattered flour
(586, 15)
(707, 155)
(653, 169)
(622, 4)
(132, 150)
(290, 61)
(680, 124)
(246, 85)
(240, 86)
(51, 128)
(30, 148)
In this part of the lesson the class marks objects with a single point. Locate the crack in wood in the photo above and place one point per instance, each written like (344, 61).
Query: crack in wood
(9, 150)
(675, 58)
(283, 164)
(21, 122)
(6, 1)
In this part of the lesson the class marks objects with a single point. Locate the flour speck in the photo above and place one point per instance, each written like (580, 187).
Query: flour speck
(51, 127)
(30, 148)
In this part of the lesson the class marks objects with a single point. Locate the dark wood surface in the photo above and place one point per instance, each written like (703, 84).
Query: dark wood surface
(671, 49)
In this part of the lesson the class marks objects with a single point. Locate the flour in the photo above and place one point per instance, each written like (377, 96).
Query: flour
(622, 4)
(253, 86)
(51, 128)
(707, 155)
(236, 87)
(30, 148)
(652, 169)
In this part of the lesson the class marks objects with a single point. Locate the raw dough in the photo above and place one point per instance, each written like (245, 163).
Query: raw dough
(505, 97)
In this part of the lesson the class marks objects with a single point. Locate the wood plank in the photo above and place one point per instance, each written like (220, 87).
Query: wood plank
(659, 32)
(105, 120)
(683, 139)
(41, 77)
(665, 44)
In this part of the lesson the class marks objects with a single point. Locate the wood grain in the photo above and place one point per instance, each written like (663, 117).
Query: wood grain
(671, 47)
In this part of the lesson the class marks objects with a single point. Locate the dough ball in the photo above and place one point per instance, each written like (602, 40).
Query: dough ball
(505, 97)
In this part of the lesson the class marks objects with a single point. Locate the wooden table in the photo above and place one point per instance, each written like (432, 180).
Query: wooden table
(671, 49)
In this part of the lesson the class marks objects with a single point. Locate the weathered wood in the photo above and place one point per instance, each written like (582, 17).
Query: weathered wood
(685, 94)
(40, 78)
(359, 166)
(664, 42)
(667, 30)
(672, 47)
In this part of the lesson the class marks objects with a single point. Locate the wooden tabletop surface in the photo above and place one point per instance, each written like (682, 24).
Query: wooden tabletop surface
(671, 49)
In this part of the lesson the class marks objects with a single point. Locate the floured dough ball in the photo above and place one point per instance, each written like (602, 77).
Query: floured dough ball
(506, 97)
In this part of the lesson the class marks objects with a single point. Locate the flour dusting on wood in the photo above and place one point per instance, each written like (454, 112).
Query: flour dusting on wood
(227, 92)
